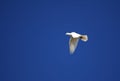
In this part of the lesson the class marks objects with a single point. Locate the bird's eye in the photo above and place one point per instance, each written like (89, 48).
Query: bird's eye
(81, 37)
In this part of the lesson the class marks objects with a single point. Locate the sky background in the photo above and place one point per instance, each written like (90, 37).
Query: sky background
(34, 47)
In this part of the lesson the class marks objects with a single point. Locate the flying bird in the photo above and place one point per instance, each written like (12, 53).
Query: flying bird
(74, 38)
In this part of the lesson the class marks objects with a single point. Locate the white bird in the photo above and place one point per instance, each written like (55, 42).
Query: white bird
(74, 38)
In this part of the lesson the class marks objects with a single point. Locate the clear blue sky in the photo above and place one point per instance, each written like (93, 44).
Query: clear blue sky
(33, 45)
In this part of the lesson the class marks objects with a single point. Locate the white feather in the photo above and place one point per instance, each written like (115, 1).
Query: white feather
(73, 42)
(74, 38)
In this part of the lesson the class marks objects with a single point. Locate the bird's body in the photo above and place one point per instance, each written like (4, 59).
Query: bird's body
(74, 38)
(74, 35)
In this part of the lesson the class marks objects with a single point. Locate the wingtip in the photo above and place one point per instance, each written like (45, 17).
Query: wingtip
(71, 53)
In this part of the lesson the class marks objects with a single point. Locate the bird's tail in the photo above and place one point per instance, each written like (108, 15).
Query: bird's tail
(84, 38)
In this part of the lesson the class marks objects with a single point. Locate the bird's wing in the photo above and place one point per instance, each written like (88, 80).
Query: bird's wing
(73, 44)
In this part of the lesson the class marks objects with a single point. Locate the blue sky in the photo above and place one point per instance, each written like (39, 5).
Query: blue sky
(34, 46)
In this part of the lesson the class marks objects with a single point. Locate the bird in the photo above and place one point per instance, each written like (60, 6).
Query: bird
(74, 39)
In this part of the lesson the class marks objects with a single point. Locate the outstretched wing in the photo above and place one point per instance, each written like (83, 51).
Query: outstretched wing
(73, 42)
